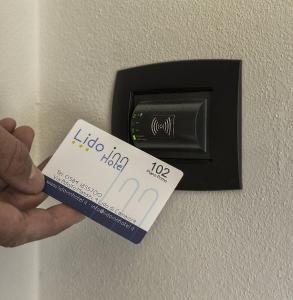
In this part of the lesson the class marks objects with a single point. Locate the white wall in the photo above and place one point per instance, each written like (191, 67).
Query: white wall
(205, 245)
(18, 99)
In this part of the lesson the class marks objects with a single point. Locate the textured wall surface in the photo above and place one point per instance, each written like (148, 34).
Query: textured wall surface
(204, 245)
(18, 98)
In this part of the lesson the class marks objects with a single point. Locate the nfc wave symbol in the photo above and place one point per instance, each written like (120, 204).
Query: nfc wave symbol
(165, 127)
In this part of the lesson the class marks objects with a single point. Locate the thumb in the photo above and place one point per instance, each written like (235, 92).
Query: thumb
(16, 166)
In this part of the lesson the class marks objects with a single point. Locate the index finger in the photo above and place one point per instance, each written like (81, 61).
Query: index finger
(8, 123)
(16, 166)
(42, 223)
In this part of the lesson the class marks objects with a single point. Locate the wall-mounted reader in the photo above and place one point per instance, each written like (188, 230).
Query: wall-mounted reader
(187, 113)
(171, 125)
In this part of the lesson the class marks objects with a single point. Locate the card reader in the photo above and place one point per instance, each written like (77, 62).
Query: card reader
(173, 126)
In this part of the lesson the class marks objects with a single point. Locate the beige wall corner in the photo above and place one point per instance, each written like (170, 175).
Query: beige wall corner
(19, 99)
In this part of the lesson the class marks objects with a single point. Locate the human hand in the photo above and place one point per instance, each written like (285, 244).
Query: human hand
(21, 185)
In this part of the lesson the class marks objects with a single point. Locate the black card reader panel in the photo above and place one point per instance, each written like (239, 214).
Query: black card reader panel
(187, 113)
(173, 125)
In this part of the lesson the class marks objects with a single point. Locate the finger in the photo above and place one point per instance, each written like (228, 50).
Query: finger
(8, 123)
(25, 134)
(16, 167)
(18, 228)
(3, 185)
(11, 222)
(43, 223)
(24, 201)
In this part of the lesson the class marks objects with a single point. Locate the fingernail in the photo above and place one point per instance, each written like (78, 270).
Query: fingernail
(79, 217)
(37, 176)
(33, 172)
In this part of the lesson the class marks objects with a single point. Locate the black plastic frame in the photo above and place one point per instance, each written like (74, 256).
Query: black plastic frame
(222, 79)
